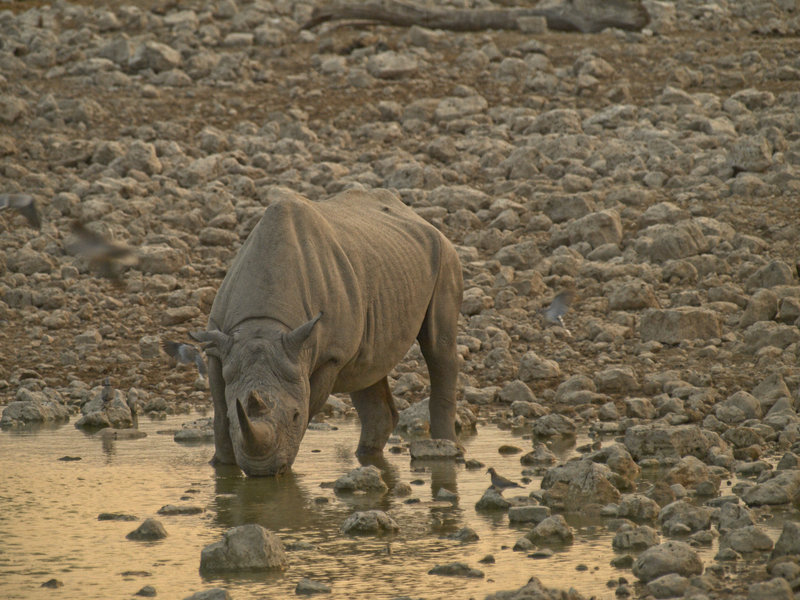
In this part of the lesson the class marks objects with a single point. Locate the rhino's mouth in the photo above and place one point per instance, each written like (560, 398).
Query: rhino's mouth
(265, 449)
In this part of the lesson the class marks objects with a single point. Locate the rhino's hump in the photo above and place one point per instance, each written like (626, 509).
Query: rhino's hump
(355, 256)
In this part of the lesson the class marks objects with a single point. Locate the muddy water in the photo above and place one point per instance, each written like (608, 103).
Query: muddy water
(49, 526)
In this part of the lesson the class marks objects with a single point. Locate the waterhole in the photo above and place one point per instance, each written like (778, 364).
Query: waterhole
(49, 523)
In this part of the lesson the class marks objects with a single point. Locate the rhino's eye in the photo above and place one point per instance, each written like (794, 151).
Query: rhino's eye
(296, 416)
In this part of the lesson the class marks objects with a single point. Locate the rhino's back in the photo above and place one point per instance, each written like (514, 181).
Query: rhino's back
(359, 257)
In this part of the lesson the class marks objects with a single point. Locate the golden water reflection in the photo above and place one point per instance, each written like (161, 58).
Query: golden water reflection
(49, 526)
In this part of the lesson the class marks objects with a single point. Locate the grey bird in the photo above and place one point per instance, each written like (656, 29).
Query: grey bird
(185, 354)
(553, 313)
(106, 258)
(24, 204)
(501, 483)
(107, 393)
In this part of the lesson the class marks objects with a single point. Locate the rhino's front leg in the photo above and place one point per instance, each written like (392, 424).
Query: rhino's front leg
(223, 447)
(378, 416)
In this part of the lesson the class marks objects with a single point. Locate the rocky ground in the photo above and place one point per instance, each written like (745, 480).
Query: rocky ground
(656, 174)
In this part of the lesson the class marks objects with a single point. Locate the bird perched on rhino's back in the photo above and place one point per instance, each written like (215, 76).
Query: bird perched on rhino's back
(24, 204)
(327, 297)
(185, 354)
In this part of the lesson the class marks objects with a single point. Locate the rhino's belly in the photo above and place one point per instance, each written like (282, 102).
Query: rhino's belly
(368, 368)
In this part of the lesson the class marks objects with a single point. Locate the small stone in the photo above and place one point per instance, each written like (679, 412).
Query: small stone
(456, 569)
(210, 594)
(150, 530)
(366, 479)
(492, 500)
(434, 449)
(370, 522)
(307, 587)
(464, 535)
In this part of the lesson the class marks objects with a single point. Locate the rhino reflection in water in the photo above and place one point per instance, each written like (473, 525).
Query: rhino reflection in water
(327, 297)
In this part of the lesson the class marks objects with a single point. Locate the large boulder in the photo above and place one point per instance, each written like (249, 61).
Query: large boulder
(244, 548)
(782, 488)
(674, 325)
(551, 531)
(636, 538)
(788, 543)
(669, 557)
(681, 517)
(34, 407)
(746, 540)
(670, 442)
(364, 479)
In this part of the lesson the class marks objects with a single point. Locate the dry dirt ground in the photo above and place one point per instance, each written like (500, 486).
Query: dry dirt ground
(63, 324)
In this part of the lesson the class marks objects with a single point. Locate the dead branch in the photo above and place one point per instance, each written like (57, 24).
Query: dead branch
(586, 16)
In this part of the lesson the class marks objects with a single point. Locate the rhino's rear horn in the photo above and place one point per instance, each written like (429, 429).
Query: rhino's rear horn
(294, 340)
(213, 340)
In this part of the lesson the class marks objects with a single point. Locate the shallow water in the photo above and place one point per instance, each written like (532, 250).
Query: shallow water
(49, 526)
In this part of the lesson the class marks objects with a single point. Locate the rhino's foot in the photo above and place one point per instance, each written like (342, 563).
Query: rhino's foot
(368, 451)
(216, 461)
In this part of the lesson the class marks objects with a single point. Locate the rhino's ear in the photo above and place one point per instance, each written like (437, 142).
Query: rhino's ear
(215, 342)
(294, 340)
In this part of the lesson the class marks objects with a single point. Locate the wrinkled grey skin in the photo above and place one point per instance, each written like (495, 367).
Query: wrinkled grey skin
(327, 297)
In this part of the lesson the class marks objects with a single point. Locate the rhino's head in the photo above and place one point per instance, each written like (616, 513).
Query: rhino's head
(266, 392)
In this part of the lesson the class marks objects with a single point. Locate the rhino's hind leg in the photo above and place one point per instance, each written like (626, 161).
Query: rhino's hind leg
(437, 340)
(223, 447)
(378, 416)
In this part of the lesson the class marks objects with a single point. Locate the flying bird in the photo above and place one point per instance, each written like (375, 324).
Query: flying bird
(107, 258)
(501, 483)
(553, 314)
(24, 204)
(185, 354)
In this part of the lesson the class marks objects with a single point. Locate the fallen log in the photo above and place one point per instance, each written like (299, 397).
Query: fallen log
(586, 16)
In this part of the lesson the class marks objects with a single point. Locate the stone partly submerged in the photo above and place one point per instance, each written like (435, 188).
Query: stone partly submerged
(534, 589)
(369, 522)
(670, 557)
(244, 548)
(361, 479)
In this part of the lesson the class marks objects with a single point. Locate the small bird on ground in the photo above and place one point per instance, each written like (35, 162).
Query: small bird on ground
(185, 354)
(108, 392)
(501, 483)
(104, 257)
(24, 204)
(553, 314)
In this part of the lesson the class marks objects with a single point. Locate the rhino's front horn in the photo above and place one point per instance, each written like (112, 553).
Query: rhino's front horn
(257, 437)
(214, 339)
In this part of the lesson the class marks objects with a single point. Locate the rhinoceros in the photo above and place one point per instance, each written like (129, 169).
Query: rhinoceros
(325, 297)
